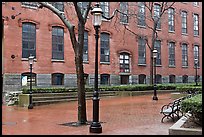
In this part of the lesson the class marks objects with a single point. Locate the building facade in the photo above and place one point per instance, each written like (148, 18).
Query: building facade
(123, 57)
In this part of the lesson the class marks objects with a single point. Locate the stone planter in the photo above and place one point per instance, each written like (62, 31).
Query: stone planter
(176, 129)
(23, 100)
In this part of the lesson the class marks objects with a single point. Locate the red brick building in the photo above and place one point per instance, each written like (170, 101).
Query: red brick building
(123, 57)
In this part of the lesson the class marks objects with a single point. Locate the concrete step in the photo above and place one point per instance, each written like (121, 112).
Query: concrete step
(50, 98)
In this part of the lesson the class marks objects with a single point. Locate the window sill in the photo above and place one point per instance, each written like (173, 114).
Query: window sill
(56, 60)
(196, 36)
(105, 63)
(144, 65)
(124, 73)
(172, 66)
(185, 34)
(26, 59)
(86, 62)
(172, 32)
(123, 23)
(184, 66)
(158, 29)
(158, 65)
(139, 26)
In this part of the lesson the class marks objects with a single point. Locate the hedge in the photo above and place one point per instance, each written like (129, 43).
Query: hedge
(194, 106)
(136, 87)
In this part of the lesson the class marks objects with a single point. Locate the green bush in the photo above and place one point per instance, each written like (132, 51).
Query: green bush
(189, 88)
(194, 106)
(135, 87)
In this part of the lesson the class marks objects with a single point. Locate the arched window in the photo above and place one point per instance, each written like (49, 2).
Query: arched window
(172, 79)
(196, 55)
(184, 54)
(105, 47)
(28, 39)
(57, 43)
(85, 52)
(185, 79)
(158, 79)
(57, 79)
(142, 79)
(105, 79)
(124, 62)
(86, 79)
(198, 78)
(26, 79)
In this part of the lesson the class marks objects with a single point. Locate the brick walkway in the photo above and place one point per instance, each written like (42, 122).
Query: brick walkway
(137, 115)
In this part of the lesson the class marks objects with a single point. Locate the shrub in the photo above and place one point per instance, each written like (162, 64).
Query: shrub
(194, 106)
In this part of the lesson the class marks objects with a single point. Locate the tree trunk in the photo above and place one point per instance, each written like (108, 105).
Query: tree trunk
(81, 90)
(82, 118)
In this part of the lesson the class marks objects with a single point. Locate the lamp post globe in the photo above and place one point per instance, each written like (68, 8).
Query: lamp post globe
(155, 86)
(30, 61)
(95, 126)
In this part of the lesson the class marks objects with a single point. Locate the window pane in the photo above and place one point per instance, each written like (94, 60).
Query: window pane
(57, 43)
(28, 39)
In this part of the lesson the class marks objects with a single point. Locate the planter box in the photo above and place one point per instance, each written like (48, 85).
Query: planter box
(23, 100)
(176, 129)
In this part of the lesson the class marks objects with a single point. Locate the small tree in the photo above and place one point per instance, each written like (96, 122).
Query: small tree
(77, 46)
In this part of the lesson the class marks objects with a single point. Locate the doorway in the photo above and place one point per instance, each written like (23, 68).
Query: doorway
(124, 79)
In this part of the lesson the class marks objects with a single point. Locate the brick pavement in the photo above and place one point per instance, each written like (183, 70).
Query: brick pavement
(132, 115)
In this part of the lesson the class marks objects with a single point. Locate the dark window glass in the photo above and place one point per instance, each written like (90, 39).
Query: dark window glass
(157, 45)
(57, 43)
(172, 79)
(85, 52)
(141, 14)
(58, 5)
(83, 6)
(185, 79)
(171, 19)
(105, 8)
(28, 40)
(195, 24)
(184, 55)
(86, 79)
(124, 9)
(105, 48)
(142, 79)
(157, 12)
(184, 22)
(171, 54)
(158, 79)
(57, 79)
(141, 51)
(105, 79)
(196, 55)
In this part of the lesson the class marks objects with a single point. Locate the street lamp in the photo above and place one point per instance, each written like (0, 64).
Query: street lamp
(95, 125)
(155, 86)
(196, 67)
(30, 61)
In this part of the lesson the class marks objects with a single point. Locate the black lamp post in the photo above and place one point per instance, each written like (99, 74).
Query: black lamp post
(196, 67)
(30, 61)
(155, 86)
(95, 125)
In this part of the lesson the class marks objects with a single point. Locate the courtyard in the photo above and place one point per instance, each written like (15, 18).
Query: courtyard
(131, 115)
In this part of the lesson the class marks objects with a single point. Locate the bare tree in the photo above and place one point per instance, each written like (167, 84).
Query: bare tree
(152, 16)
(77, 46)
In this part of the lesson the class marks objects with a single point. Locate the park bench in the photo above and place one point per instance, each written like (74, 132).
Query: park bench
(174, 108)
(171, 109)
